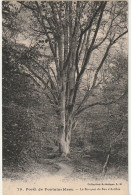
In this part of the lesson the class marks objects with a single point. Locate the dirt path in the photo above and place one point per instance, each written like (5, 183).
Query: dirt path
(38, 176)
(65, 170)
(48, 168)
(47, 176)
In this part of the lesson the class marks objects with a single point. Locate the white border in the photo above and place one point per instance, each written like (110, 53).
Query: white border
(129, 99)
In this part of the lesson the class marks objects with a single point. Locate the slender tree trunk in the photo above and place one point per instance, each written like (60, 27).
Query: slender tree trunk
(106, 162)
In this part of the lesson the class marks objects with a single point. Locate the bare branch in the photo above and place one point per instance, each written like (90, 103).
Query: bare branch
(42, 81)
(100, 43)
(92, 19)
(53, 87)
(45, 29)
(32, 78)
(84, 31)
(38, 84)
(54, 75)
(103, 103)
(27, 6)
(100, 66)
(88, 54)
(42, 32)
(56, 23)
(114, 41)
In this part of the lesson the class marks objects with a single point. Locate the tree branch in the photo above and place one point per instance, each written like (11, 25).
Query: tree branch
(92, 19)
(45, 29)
(53, 87)
(102, 103)
(27, 6)
(88, 54)
(119, 37)
(83, 32)
(38, 84)
(99, 68)
(43, 82)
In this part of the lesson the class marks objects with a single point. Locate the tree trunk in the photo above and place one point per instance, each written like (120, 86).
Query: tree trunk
(64, 143)
(106, 162)
(65, 138)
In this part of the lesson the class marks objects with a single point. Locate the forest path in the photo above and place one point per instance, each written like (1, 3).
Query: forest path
(65, 169)
(51, 168)
(47, 176)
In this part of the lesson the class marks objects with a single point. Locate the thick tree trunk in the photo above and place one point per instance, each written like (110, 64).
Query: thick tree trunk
(64, 143)
(65, 139)
(66, 82)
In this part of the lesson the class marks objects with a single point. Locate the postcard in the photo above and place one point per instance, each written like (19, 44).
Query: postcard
(64, 97)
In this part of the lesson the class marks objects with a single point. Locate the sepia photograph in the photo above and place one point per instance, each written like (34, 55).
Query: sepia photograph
(65, 97)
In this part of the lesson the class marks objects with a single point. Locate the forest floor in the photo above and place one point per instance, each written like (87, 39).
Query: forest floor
(64, 169)
(55, 173)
